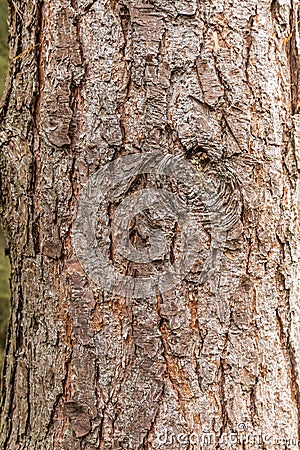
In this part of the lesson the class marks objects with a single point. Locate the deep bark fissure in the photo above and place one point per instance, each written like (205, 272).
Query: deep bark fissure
(293, 52)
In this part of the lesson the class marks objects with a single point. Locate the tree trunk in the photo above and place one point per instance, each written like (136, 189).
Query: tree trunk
(170, 128)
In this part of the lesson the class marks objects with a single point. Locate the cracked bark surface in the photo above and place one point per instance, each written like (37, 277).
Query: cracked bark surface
(215, 81)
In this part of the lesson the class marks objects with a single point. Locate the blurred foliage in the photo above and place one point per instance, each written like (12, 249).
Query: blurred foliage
(4, 264)
(3, 43)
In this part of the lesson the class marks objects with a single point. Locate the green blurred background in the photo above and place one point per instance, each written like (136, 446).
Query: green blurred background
(4, 263)
(3, 42)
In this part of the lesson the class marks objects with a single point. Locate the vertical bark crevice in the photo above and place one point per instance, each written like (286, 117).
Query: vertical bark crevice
(294, 55)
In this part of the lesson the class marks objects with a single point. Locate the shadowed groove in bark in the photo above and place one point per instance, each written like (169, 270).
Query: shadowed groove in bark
(294, 55)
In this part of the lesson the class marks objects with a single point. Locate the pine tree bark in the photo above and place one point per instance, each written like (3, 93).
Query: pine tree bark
(214, 362)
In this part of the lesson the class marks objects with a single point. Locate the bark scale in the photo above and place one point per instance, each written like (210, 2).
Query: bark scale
(215, 81)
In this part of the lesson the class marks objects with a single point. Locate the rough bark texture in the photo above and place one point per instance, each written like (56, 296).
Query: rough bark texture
(213, 80)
